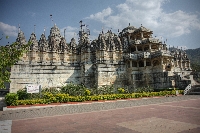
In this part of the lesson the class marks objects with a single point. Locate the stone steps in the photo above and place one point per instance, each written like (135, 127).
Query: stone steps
(195, 90)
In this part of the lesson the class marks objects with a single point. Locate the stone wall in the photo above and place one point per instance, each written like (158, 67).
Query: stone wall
(49, 69)
(110, 74)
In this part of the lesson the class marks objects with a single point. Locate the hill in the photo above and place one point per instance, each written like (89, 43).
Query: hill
(194, 56)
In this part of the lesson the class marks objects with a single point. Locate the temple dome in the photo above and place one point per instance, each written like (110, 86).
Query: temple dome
(129, 29)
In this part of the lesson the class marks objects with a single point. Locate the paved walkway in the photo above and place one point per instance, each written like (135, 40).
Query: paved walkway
(147, 115)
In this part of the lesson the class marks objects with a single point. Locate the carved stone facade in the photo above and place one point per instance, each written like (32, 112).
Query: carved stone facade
(133, 58)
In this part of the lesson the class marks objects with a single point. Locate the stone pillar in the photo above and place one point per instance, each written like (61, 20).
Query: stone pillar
(136, 48)
(185, 65)
(149, 46)
(137, 64)
(159, 47)
(98, 56)
(131, 64)
(189, 65)
(181, 64)
(142, 35)
(161, 61)
(145, 62)
(101, 56)
(75, 58)
(86, 57)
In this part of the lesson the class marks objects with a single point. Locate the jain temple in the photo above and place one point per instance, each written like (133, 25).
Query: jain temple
(131, 58)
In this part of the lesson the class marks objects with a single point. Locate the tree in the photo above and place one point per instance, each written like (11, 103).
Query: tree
(9, 55)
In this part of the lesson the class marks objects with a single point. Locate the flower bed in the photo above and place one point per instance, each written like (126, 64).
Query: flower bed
(50, 98)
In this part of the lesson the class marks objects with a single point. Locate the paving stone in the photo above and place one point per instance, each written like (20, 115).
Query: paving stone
(173, 114)
(80, 108)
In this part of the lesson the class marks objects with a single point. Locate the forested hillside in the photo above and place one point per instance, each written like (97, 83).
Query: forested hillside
(194, 56)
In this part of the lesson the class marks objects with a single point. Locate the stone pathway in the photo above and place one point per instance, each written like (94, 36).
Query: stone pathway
(173, 114)
(5, 126)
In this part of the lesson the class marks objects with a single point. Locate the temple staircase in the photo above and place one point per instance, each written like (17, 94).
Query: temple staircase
(195, 90)
(192, 89)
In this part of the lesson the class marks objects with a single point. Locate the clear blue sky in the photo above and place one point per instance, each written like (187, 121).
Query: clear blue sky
(178, 21)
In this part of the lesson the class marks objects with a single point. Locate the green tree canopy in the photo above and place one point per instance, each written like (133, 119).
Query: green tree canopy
(9, 55)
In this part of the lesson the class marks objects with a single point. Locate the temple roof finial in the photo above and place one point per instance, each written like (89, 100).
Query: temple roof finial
(18, 28)
(34, 28)
(44, 30)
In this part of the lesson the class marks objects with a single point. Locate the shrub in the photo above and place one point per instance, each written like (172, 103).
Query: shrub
(47, 95)
(108, 89)
(102, 90)
(62, 98)
(11, 99)
(145, 94)
(154, 94)
(31, 101)
(76, 98)
(22, 94)
(52, 90)
(173, 92)
(181, 92)
(144, 89)
(121, 90)
(138, 95)
(87, 92)
(52, 100)
(73, 90)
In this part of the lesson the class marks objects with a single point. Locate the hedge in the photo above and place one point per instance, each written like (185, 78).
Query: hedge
(48, 97)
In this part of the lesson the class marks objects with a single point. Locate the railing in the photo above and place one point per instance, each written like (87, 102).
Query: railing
(187, 89)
